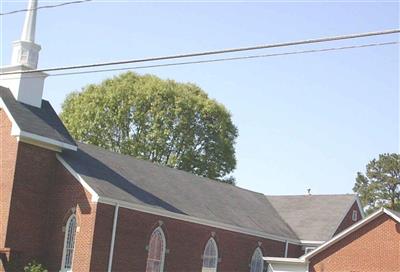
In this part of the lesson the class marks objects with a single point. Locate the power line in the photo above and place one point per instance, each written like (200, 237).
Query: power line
(45, 7)
(227, 59)
(230, 59)
(215, 52)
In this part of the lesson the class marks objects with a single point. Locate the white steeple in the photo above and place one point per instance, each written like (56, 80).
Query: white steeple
(28, 33)
(26, 87)
(25, 51)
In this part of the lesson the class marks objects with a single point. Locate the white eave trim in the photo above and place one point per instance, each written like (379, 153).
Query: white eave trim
(95, 196)
(311, 242)
(29, 137)
(34, 139)
(273, 260)
(157, 211)
(360, 207)
(350, 230)
(192, 219)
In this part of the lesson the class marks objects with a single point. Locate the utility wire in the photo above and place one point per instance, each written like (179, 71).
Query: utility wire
(225, 59)
(215, 52)
(45, 7)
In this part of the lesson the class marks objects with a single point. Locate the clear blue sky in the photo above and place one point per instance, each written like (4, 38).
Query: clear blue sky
(305, 121)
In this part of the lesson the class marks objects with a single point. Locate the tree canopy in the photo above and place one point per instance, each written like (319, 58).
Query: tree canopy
(380, 186)
(170, 123)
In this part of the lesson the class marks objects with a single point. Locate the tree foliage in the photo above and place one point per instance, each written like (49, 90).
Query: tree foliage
(34, 267)
(380, 186)
(163, 121)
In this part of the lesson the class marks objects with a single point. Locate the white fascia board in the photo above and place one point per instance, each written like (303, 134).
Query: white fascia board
(343, 234)
(44, 140)
(311, 243)
(14, 128)
(192, 219)
(34, 139)
(394, 216)
(360, 206)
(95, 196)
(276, 264)
(284, 260)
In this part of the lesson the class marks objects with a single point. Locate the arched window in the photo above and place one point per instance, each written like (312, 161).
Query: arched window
(155, 258)
(257, 262)
(69, 243)
(210, 256)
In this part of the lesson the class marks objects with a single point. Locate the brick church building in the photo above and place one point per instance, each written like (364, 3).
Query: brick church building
(76, 207)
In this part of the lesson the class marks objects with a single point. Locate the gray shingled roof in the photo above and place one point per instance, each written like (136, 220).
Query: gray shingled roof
(313, 217)
(141, 182)
(42, 121)
(136, 181)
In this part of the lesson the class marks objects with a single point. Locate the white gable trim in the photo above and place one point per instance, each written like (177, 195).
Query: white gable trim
(394, 216)
(360, 207)
(34, 139)
(356, 200)
(348, 231)
(95, 196)
(14, 129)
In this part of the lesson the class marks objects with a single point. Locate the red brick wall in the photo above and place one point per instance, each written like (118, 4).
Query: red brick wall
(185, 242)
(8, 156)
(67, 193)
(348, 221)
(25, 179)
(102, 237)
(373, 248)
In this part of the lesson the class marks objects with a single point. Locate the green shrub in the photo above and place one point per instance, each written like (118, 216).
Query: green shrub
(34, 267)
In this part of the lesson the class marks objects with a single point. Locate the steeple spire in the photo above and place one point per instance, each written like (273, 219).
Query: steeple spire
(28, 32)
(25, 51)
(26, 88)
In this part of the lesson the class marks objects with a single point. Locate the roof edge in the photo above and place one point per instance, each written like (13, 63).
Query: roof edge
(95, 196)
(196, 220)
(350, 230)
(346, 212)
(156, 211)
(32, 138)
(285, 260)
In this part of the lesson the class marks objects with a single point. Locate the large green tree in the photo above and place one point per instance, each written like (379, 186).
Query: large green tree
(163, 121)
(380, 185)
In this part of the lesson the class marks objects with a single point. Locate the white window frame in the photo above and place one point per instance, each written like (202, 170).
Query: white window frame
(256, 252)
(207, 269)
(64, 254)
(164, 247)
(354, 216)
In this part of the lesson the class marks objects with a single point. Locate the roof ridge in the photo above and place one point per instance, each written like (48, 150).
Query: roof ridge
(344, 194)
